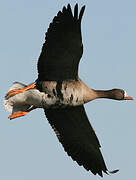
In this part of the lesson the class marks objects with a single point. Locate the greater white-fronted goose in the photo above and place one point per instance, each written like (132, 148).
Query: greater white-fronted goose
(61, 93)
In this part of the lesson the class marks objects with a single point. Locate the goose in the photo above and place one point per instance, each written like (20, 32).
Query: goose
(62, 94)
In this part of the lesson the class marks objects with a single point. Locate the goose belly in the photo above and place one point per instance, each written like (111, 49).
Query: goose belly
(73, 96)
(61, 94)
(62, 99)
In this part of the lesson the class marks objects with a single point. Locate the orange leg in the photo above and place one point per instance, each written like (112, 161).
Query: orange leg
(17, 91)
(20, 113)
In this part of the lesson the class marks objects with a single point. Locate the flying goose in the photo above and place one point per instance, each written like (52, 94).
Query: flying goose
(61, 93)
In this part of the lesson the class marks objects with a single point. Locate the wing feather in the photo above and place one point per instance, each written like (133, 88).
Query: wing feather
(77, 136)
(63, 47)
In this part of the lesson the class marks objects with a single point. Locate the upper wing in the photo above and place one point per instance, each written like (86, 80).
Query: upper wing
(77, 136)
(63, 46)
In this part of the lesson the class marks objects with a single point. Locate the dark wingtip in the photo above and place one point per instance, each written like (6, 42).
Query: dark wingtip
(76, 11)
(110, 172)
(100, 174)
(81, 13)
(114, 171)
(68, 6)
(69, 10)
(64, 9)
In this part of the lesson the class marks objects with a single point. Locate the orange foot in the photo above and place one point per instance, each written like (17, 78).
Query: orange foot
(21, 113)
(17, 91)
(18, 114)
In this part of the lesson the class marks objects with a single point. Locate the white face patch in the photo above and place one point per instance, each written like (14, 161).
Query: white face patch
(125, 94)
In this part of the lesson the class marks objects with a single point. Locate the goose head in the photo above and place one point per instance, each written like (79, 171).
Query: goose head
(119, 94)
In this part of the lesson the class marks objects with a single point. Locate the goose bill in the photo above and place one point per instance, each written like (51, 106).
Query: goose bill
(127, 97)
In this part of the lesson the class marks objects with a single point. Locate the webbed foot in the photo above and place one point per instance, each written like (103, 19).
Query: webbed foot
(21, 113)
(17, 91)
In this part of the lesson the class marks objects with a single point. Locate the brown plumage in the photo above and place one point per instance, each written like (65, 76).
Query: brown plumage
(62, 94)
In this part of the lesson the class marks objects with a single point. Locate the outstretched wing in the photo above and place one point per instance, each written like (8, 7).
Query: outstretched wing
(63, 47)
(77, 136)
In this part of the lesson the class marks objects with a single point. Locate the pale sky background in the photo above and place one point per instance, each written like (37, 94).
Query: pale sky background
(29, 149)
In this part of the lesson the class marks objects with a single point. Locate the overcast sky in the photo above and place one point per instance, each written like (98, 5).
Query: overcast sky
(29, 149)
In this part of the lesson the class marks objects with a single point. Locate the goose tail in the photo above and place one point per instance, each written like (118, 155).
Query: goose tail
(13, 103)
